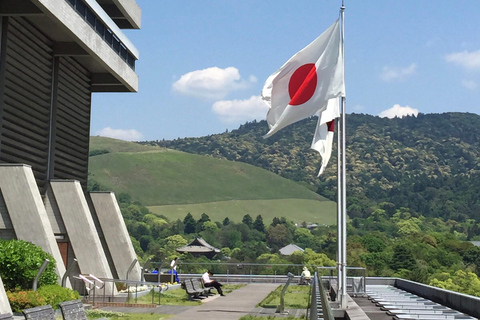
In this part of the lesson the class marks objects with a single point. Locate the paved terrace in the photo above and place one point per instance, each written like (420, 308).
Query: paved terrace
(234, 305)
(243, 301)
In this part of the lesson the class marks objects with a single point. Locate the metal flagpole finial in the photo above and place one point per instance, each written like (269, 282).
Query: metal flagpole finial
(343, 5)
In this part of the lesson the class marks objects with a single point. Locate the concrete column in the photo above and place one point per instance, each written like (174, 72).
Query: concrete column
(4, 305)
(27, 211)
(116, 235)
(81, 230)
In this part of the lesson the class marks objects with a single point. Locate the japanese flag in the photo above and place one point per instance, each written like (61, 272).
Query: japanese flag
(323, 138)
(306, 83)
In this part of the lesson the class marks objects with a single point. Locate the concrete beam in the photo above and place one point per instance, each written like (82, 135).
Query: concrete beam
(82, 33)
(116, 234)
(81, 230)
(69, 49)
(27, 212)
(18, 7)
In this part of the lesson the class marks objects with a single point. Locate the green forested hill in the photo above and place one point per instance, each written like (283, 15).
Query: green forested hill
(429, 164)
(174, 183)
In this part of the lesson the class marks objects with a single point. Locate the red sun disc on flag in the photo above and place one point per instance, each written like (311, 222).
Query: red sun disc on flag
(302, 84)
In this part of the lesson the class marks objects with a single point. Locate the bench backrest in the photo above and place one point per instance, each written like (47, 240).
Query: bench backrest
(197, 285)
(73, 310)
(6, 316)
(189, 287)
(40, 313)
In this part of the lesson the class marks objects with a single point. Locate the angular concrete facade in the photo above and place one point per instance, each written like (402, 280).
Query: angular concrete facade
(116, 236)
(54, 54)
(25, 212)
(4, 305)
(80, 228)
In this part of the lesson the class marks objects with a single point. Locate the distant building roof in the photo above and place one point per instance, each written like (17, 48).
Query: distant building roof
(476, 243)
(199, 247)
(291, 248)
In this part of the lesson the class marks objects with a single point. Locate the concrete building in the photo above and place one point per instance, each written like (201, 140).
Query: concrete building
(54, 54)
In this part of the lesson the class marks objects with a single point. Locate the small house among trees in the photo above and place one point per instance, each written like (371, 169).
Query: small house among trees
(199, 247)
(291, 248)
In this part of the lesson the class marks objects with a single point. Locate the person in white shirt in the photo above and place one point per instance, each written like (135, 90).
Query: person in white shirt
(207, 282)
(173, 269)
(173, 264)
(306, 277)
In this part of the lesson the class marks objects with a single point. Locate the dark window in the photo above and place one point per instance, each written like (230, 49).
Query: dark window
(81, 8)
(91, 17)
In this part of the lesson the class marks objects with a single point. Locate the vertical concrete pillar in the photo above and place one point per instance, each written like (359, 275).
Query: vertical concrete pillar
(27, 212)
(116, 235)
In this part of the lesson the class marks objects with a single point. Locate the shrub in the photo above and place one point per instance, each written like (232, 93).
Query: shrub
(55, 294)
(20, 300)
(20, 262)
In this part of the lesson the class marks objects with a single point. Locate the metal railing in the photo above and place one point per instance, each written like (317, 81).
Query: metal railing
(356, 277)
(100, 290)
(106, 32)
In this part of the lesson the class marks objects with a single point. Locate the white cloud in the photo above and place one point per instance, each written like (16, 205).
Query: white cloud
(212, 83)
(469, 84)
(122, 134)
(241, 110)
(398, 111)
(468, 60)
(396, 73)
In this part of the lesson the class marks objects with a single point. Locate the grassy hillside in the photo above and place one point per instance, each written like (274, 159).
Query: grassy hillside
(429, 164)
(297, 210)
(116, 145)
(174, 183)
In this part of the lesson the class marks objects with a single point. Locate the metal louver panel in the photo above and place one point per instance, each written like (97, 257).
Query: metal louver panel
(72, 127)
(27, 98)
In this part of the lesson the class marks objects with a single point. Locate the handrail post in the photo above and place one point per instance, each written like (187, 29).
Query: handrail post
(281, 307)
(39, 273)
(65, 275)
(130, 268)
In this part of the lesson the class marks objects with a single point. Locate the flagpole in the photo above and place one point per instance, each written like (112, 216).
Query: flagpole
(343, 265)
(339, 210)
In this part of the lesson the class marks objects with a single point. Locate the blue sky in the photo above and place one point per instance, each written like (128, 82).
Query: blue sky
(203, 64)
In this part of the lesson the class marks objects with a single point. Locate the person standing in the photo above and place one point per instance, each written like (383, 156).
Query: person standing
(207, 282)
(173, 270)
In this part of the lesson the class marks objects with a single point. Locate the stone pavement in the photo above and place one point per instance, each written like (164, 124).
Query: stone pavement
(233, 306)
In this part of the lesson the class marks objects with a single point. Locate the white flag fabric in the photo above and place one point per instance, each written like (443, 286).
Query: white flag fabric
(303, 85)
(323, 138)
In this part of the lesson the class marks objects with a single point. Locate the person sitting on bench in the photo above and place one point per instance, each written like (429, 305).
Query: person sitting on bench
(211, 283)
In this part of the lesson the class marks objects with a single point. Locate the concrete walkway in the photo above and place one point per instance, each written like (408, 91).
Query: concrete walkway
(233, 306)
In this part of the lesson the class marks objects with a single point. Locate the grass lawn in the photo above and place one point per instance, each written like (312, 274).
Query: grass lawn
(97, 314)
(179, 297)
(296, 297)
(267, 318)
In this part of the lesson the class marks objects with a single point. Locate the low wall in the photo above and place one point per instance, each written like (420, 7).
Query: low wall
(380, 281)
(458, 301)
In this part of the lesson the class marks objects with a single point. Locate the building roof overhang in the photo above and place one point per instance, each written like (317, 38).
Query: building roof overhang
(110, 61)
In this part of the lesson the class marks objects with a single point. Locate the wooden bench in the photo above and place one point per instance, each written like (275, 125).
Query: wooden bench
(6, 316)
(73, 310)
(39, 313)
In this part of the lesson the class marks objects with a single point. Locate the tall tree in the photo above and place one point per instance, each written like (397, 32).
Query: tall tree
(247, 219)
(189, 223)
(258, 224)
(226, 221)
